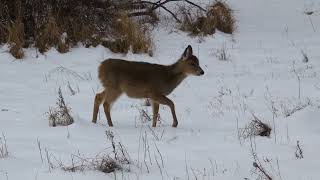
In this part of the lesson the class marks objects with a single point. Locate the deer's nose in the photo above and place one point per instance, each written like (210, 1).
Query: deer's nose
(201, 73)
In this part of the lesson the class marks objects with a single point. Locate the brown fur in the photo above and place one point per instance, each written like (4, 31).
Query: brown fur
(143, 80)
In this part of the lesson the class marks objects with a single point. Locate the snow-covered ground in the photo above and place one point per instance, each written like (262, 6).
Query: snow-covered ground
(260, 78)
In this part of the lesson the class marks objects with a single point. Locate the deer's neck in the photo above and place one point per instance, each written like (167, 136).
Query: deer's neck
(176, 75)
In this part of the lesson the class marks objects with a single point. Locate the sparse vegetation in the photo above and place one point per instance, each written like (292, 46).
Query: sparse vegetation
(103, 163)
(3, 147)
(60, 115)
(260, 166)
(106, 162)
(290, 109)
(222, 53)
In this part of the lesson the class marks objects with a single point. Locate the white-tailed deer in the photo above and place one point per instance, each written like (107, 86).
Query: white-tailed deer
(143, 80)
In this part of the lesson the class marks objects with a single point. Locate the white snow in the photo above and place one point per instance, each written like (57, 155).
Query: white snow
(265, 53)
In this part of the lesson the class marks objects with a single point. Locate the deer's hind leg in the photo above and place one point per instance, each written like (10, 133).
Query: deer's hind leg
(97, 102)
(110, 97)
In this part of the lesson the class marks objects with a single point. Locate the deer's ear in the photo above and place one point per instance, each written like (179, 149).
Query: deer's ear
(187, 53)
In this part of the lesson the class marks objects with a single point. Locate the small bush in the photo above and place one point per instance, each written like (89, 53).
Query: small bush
(255, 128)
(223, 16)
(60, 115)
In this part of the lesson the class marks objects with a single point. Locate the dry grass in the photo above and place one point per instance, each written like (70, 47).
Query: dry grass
(64, 24)
(84, 32)
(50, 35)
(16, 38)
(3, 33)
(128, 34)
(110, 160)
(196, 23)
(104, 163)
(223, 16)
(125, 35)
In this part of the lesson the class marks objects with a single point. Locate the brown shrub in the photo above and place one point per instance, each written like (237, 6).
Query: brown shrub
(3, 26)
(50, 35)
(64, 23)
(84, 32)
(199, 23)
(127, 34)
(223, 15)
(15, 39)
(196, 23)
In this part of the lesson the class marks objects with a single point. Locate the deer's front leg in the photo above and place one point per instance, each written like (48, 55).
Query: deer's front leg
(161, 99)
(155, 108)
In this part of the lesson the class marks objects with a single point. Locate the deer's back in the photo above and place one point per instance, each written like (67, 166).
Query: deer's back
(136, 79)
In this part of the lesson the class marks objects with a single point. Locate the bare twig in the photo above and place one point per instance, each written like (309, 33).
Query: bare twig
(299, 152)
(257, 164)
(159, 4)
(40, 150)
(298, 78)
(159, 154)
(187, 171)
(50, 165)
(314, 29)
(262, 170)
